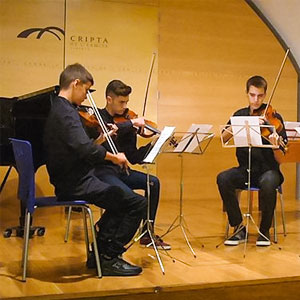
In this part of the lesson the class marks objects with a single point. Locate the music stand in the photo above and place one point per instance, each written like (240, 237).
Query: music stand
(246, 132)
(165, 136)
(194, 141)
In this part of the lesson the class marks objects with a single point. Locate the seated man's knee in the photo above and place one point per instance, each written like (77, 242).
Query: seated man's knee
(270, 179)
(155, 181)
(222, 178)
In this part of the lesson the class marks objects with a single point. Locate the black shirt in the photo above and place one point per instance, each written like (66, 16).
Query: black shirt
(71, 154)
(125, 140)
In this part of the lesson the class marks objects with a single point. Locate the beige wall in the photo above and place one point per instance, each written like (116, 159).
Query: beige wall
(206, 52)
(29, 64)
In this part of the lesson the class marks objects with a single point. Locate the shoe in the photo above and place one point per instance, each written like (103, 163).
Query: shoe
(145, 241)
(263, 241)
(117, 266)
(238, 238)
(113, 266)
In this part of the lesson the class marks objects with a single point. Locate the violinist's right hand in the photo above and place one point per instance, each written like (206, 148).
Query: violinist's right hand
(118, 159)
(227, 133)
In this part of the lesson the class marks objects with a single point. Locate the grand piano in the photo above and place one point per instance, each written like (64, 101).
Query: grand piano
(24, 118)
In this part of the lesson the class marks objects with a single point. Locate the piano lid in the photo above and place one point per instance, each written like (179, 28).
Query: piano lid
(34, 105)
(24, 117)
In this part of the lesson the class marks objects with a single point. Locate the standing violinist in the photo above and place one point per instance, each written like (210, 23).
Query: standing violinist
(71, 159)
(117, 97)
(265, 172)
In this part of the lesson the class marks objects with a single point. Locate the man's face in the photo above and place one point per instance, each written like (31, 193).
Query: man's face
(117, 104)
(256, 97)
(79, 92)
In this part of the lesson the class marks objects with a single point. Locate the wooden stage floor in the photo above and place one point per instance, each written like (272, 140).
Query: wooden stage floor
(57, 270)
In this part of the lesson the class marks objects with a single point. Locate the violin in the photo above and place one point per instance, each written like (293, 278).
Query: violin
(149, 125)
(270, 115)
(89, 119)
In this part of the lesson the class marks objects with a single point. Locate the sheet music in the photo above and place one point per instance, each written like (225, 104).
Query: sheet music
(290, 127)
(164, 135)
(240, 133)
(201, 129)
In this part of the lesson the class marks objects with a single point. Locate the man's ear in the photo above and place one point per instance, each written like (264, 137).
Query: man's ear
(109, 99)
(76, 82)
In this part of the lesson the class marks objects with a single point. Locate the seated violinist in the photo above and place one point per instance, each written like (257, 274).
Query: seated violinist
(71, 156)
(265, 172)
(117, 97)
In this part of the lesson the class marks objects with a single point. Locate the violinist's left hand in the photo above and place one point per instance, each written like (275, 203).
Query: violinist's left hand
(262, 121)
(113, 128)
(102, 136)
(138, 122)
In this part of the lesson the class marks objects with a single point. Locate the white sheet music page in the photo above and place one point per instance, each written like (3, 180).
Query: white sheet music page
(292, 129)
(201, 129)
(164, 135)
(240, 133)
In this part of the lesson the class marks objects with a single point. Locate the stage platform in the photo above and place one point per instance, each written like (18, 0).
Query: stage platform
(57, 270)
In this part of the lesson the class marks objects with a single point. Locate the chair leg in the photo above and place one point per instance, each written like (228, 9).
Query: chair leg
(282, 213)
(88, 210)
(86, 233)
(68, 224)
(275, 226)
(25, 245)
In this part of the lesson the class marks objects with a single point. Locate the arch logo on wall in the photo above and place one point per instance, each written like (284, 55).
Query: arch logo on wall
(56, 31)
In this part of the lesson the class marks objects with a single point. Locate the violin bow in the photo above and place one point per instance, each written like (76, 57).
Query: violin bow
(102, 123)
(276, 81)
(148, 81)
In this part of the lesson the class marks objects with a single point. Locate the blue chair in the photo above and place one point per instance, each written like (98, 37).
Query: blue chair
(26, 193)
(255, 189)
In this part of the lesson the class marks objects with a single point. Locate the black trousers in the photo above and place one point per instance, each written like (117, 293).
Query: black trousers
(236, 178)
(121, 219)
(138, 180)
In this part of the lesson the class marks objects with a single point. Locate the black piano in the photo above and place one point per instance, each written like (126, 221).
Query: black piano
(24, 118)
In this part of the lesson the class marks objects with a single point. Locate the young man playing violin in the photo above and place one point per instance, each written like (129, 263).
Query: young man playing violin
(71, 159)
(117, 97)
(265, 172)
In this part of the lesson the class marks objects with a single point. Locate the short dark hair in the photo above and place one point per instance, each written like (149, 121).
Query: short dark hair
(72, 72)
(256, 81)
(117, 88)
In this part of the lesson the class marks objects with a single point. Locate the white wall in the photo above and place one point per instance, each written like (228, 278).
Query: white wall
(284, 17)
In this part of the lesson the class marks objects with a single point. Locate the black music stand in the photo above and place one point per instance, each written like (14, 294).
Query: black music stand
(157, 148)
(246, 132)
(192, 142)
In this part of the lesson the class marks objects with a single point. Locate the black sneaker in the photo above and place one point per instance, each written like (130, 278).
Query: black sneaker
(118, 267)
(113, 266)
(263, 241)
(238, 238)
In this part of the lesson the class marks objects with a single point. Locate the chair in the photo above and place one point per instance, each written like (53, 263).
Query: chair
(26, 193)
(255, 189)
